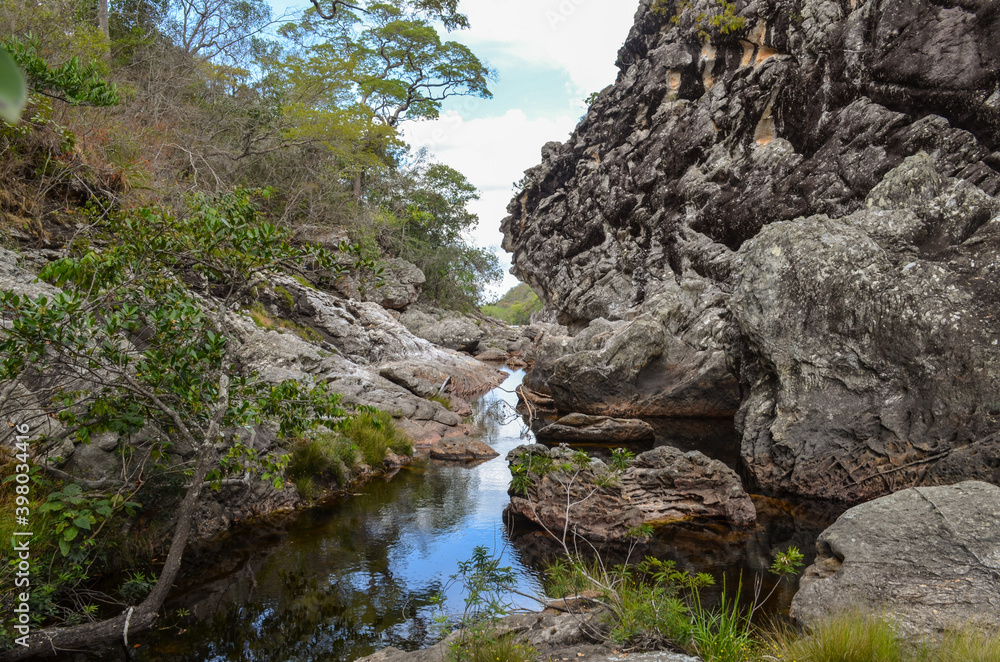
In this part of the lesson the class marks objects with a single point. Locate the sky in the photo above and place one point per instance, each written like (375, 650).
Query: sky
(549, 56)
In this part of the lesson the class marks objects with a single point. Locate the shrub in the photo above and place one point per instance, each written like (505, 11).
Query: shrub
(374, 434)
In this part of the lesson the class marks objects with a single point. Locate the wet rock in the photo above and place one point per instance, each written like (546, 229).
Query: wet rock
(596, 429)
(464, 449)
(929, 557)
(660, 486)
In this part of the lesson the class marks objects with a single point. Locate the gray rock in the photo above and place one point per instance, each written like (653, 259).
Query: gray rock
(861, 144)
(597, 429)
(444, 328)
(403, 281)
(865, 359)
(660, 486)
(19, 274)
(929, 557)
(464, 449)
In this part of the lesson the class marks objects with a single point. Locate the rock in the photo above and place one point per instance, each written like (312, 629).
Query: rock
(492, 354)
(444, 328)
(660, 486)
(863, 355)
(466, 449)
(649, 366)
(929, 557)
(403, 281)
(555, 637)
(19, 275)
(796, 219)
(596, 429)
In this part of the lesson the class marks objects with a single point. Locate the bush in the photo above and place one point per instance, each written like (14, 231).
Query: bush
(336, 456)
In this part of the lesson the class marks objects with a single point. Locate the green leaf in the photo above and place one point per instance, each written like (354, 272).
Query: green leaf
(64, 547)
(83, 523)
(70, 534)
(13, 91)
(51, 506)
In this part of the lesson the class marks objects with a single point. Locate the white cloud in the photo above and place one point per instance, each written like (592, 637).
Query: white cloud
(493, 153)
(581, 37)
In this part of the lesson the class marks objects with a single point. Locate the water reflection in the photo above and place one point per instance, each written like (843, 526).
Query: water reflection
(347, 579)
(341, 581)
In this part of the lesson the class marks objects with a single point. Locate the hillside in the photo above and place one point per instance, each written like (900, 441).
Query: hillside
(516, 306)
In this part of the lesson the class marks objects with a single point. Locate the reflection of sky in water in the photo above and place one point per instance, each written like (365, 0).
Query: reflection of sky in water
(356, 576)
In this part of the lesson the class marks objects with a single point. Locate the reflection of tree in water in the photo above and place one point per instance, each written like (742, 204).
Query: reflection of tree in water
(314, 620)
(493, 413)
(331, 592)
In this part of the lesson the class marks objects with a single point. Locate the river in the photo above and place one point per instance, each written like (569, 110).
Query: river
(340, 581)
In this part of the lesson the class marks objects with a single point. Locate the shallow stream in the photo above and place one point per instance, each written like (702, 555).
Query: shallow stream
(340, 581)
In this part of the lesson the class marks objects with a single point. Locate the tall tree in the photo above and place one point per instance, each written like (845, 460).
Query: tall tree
(386, 63)
(102, 17)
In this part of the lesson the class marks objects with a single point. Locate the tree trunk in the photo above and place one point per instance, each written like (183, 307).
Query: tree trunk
(102, 17)
(48, 642)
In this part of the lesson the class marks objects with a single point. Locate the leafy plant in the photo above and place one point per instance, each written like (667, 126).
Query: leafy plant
(13, 91)
(71, 82)
(76, 512)
(487, 585)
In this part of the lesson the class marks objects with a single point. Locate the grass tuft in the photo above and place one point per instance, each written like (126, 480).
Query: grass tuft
(337, 456)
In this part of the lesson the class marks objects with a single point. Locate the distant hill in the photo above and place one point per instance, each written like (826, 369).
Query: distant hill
(516, 306)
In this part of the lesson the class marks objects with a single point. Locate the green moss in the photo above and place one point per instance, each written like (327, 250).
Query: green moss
(441, 400)
(303, 282)
(264, 320)
(286, 297)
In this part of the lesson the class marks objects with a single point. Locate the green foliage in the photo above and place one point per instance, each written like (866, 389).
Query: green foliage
(70, 82)
(338, 455)
(162, 353)
(487, 587)
(857, 635)
(442, 400)
(13, 91)
(725, 633)
(516, 306)
(724, 22)
(388, 59)
(374, 434)
(426, 219)
(75, 512)
(136, 586)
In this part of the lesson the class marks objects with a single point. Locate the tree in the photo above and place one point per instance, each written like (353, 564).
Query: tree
(394, 62)
(129, 345)
(379, 66)
(428, 205)
(223, 31)
(445, 11)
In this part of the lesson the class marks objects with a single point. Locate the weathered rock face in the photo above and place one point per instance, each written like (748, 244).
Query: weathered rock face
(805, 202)
(660, 486)
(866, 343)
(596, 429)
(928, 556)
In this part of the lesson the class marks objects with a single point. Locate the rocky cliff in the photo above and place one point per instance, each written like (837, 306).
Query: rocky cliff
(785, 210)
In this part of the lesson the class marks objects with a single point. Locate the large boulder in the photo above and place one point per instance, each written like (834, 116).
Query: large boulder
(444, 328)
(928, 557)
(659, 486)
(793, 217)
(866, 344)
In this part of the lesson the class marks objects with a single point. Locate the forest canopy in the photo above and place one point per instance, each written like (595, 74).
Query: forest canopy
(218, 94)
